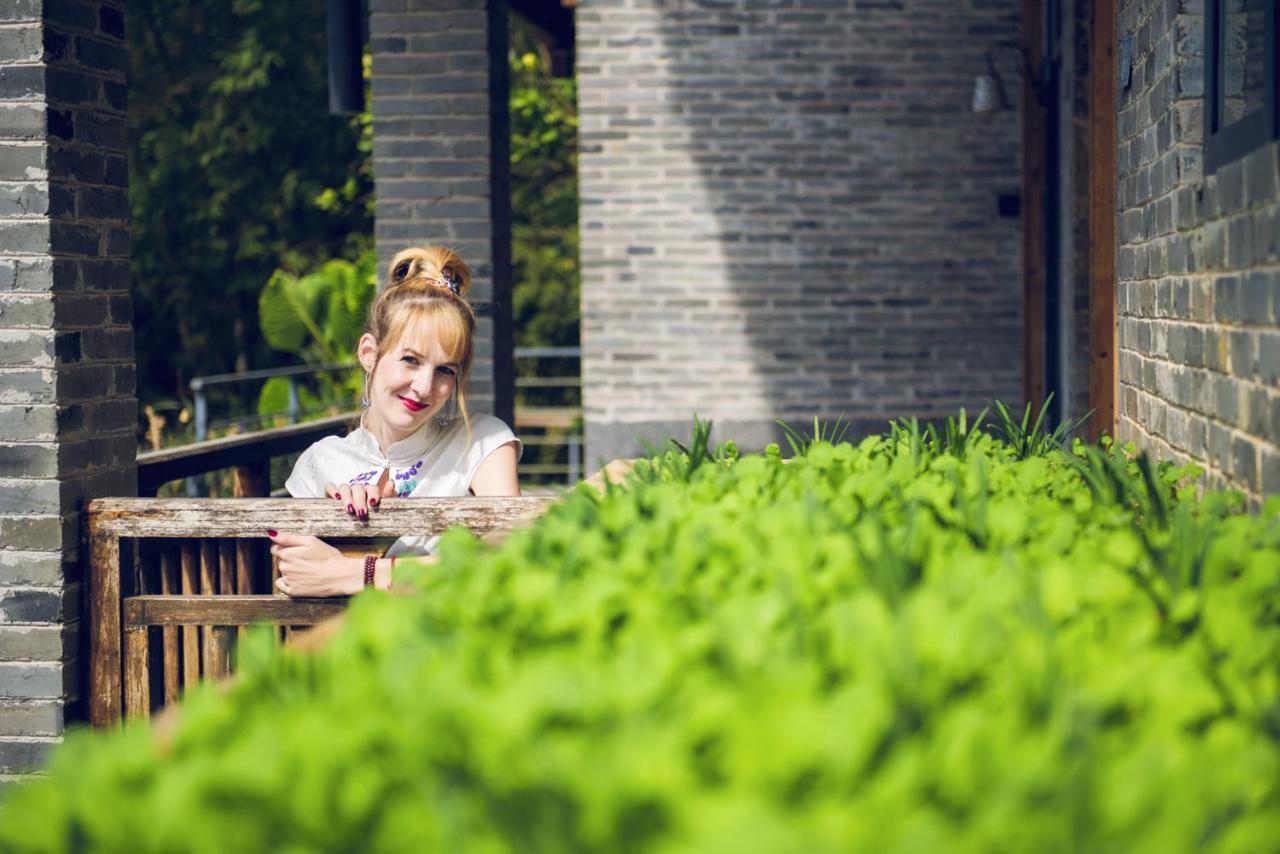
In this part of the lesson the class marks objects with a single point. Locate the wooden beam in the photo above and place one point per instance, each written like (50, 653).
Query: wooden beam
(169, 586)
(156, 468)
(1103, 374)
(104, 627)
(190, 635)
(216, 610)
(137, 673)
(249, 518)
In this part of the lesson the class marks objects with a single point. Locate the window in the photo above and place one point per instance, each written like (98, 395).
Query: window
(1241, 103)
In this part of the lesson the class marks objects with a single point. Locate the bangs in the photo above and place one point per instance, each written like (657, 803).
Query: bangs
(421, 325)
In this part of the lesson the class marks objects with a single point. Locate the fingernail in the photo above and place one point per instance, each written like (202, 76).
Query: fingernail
(350, 509)
(337, 498)
(364, 514)
(373, 501)
(270, 532)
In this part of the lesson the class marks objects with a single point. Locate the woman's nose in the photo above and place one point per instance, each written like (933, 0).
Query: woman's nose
(421, 384)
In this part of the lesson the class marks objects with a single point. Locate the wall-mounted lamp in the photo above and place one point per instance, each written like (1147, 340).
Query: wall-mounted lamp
(988, 89)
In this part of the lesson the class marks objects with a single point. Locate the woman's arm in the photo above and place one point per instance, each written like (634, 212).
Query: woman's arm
(311, 567)
(496, 475)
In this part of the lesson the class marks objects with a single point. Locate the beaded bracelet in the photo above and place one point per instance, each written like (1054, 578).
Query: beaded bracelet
(370, 561)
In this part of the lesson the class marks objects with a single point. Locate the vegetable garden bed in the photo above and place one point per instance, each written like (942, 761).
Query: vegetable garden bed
(916, 643)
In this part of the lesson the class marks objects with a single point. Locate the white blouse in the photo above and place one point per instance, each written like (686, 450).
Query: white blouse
(435, 461)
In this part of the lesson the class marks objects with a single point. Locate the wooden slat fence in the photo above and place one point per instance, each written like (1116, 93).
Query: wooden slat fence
(172, 580)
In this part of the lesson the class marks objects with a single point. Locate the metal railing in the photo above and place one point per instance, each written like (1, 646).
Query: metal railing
(294, 409)
(560, 425)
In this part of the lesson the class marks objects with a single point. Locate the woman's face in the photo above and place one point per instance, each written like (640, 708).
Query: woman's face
(408, 385)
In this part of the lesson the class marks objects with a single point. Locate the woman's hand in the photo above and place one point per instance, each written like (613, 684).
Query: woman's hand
(360, 498)
(310, 567)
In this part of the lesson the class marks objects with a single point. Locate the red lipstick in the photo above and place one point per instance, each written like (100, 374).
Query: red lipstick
(412, 405)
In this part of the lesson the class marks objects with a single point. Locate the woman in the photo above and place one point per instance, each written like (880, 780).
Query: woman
(415, 436)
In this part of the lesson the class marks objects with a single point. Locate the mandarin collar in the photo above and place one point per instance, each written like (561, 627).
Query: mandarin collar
(407, 450)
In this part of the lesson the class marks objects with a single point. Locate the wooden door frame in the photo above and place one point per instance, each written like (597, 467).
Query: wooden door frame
(1103, 343)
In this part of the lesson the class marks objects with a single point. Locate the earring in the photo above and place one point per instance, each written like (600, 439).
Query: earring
(447, 412)
(364, 401)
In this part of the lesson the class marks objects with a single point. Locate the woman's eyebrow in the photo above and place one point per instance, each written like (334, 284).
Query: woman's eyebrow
(412, 352)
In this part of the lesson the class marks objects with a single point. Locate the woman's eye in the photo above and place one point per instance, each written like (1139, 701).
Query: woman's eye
(409, 360)
(446, 370)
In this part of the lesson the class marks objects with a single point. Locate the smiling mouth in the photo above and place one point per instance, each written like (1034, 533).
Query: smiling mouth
(412, 405)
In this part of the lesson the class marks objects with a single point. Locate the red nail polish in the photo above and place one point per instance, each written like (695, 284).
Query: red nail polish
(373, 501)
(270, 532)
(351, 509)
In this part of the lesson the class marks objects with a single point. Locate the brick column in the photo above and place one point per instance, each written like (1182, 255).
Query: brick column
(440, 156)
(67, 406)
(1198, 268)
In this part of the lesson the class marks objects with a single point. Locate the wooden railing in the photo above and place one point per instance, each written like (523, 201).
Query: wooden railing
(174, 579)
(248, 454)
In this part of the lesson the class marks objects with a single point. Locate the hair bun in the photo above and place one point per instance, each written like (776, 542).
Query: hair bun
(430, 266)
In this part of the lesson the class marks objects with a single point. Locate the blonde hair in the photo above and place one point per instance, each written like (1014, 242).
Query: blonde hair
(427, 291)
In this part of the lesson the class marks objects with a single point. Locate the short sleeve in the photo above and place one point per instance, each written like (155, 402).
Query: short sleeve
(490, 435)
(304, 481)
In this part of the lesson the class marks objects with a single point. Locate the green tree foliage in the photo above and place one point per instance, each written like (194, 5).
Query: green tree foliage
(544, 195)
(237, 169)
(318, 317)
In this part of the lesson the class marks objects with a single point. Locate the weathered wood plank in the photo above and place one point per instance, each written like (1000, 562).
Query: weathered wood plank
(228, 551)
(251, 517)
(190, 636)
(208, 587)
(251, 481)
(221, 640)
(244, 567)
(169, 634)
(137, 673)
(226, 567)
(104, 628)
(228, 610)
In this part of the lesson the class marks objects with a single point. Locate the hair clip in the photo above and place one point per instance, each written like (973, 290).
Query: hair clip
(447, 281)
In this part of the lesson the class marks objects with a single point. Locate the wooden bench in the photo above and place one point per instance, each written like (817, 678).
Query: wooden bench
(175, 578)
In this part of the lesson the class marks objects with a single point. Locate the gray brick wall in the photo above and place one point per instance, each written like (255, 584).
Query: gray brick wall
(790, 210)
(1198, 268)
(433, 137)
(67, 407)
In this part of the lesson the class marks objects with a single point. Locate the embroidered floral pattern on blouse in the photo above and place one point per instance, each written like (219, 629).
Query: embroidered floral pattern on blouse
(364, 477)
(407, 480)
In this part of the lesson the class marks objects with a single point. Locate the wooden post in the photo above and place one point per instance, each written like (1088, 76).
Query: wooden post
(251, 481)
(137, 673)
(169, 587)
(1103, 376)
(222, 639)
(208, 585)
(244, 567)
(190, 638)
(104, 627)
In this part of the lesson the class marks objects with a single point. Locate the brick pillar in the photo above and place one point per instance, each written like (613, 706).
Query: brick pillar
(440, 156)
(1198, 268)
(67, 406)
